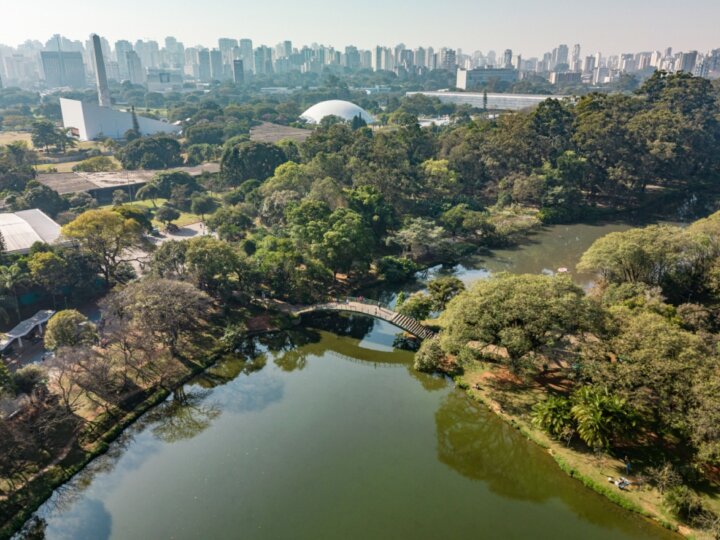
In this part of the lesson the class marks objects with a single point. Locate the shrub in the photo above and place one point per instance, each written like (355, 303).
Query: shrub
(429, 356)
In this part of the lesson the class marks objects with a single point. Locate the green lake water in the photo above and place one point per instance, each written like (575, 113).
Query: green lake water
(317, 434)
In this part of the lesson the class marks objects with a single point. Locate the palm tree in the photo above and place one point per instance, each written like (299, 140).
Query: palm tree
(11, 279)
(601, 416)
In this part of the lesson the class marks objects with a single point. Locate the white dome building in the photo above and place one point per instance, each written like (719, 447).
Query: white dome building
(335, 107)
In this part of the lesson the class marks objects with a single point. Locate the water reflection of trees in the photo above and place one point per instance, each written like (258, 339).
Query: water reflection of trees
(482, 447)
(182, 417)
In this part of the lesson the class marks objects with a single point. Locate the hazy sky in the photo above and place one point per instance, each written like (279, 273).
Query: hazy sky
(529, 27)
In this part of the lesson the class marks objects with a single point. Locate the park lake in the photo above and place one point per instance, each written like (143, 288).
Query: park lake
(328, 432)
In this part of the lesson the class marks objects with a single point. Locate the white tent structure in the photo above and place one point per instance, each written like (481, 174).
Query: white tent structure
(20, 230)
(335, 107)
(89, 121)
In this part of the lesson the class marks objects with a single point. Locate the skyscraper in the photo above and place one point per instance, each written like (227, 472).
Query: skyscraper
(100, 74)
(123, 47)
(216, 65)
(63, 68)
(204, 70)
(136, 73)
(507, 59)
(246, 54)
(238, 71)
(688, 61)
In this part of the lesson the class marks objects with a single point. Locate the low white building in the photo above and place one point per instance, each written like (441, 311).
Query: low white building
(89, 121)
(20, 230)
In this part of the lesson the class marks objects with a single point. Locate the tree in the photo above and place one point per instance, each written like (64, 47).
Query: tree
(43, 134)
(429, 357)
(160, 308)
(149, 191)
(159, 152)
(49, 270)
(522, 313)
(11, 279)
(444, 289)
(216, 266)
(29, 379)
(418, 306)
(204, 134)
(420, 237)
(250, 160)
(554, 415)
(645, 255)
(107, 237)
(119, 197)
(166, 214)
(347, 242)
(96, 164)
(202, 204)
(69, 328)
(600, 416)
(230, 223)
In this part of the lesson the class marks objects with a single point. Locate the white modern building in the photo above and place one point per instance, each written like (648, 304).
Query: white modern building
(335, 107)
(89, 121)
(20, 230)
(495, 102)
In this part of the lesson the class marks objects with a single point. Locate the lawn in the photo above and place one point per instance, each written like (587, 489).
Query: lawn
(186, 218)
(6, 137)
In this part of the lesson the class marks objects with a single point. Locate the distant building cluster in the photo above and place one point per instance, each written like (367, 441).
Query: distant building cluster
(64, 63)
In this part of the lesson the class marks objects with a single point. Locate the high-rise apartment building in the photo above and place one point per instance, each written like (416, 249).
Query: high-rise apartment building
(507, 59)
(63, 68)
(204, 69)
(123, 47)
(136, 72)
(247, 54)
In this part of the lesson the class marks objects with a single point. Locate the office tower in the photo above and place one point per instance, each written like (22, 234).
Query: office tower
(216, 65)
(688, 61)
(136, 73)
(589, 65)
(378, 58)
(352, 58)
(100, 73)
(204, 70)
(263, 60)
(238, 71)
(576, 61)
(226, 47)
(560, 58)
(507, 59)
(448, 60)
(63, 68)
(421, 57)
(366, 59)
(246, 54)
(123, 47)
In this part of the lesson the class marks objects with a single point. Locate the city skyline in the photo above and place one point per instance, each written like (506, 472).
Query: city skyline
(527, 28)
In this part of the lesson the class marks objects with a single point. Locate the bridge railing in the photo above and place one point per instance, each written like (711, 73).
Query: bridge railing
(361, 300)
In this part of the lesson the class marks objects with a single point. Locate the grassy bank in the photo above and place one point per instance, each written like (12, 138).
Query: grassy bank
(488, 384)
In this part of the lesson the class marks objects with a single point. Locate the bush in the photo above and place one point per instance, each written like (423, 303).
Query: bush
(684, 504)
(96, 164)
(429, 356)
(396, 269)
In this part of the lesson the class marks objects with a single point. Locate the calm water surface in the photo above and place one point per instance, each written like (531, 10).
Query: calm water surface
(330, 434)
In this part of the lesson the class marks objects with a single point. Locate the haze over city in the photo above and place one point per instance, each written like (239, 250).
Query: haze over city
(359, 270)
(529, 27)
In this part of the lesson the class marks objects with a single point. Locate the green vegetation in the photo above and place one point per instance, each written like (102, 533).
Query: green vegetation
(631, 368)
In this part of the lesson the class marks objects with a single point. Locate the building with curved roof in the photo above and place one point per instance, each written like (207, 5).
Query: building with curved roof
(335, 107)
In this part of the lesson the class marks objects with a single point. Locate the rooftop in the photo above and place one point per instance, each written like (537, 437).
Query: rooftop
(22, 229)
